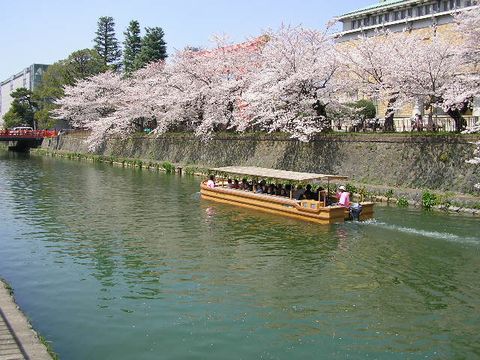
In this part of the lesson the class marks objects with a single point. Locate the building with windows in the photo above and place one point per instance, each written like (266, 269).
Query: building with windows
(407, 15)
(400, 15)
(28, 78)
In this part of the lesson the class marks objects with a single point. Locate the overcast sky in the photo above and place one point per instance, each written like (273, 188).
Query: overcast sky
(45, 31)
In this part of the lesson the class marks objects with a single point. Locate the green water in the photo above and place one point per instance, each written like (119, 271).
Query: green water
(112, 263)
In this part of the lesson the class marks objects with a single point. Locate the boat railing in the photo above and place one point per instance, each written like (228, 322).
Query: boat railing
(303, 205)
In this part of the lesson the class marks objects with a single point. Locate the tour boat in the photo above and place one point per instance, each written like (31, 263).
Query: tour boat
(311, 210)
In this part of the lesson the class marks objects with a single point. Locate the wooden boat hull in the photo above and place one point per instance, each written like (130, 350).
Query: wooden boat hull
(305, 210)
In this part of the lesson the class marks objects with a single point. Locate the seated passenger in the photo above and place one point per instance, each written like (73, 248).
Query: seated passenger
(288, 190)
(271, 189)
(211, 182)
(236, 185)
(254, 186)
(308, 194)
(298, 193)
(229, 184)
(279, 189)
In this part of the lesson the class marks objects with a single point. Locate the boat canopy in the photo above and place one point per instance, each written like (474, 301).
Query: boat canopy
(277, 174)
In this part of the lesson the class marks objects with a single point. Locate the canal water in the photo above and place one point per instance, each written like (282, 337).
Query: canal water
(112, 263)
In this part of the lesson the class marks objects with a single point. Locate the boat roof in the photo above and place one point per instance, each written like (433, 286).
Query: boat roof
(277, 174)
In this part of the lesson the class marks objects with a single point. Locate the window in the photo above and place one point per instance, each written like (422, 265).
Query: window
(445, 6)
(365, 22)
(380, 19)
(435, 7)
(403, 14)
(427, 9)
(395, 15)
(387, 17)
(468, 3)
(354, 22)
(420, 11)
(374, 20)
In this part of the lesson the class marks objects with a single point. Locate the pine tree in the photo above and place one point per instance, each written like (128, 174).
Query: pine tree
(106, 42)
(132, 45)
(154, 48)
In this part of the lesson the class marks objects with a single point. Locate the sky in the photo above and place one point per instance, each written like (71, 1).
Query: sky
(45, 31)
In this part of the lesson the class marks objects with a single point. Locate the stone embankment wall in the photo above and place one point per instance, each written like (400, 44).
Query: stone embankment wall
(421, 162)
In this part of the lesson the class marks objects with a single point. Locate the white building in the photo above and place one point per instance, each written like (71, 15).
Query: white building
(398, 15)
(29, 78)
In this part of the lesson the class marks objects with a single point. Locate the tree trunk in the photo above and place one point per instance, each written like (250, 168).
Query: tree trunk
(460, 122)
(430, 126)
(389, 125)
(321, 112)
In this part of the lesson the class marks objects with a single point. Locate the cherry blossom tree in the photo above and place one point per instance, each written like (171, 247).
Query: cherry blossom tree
(428, 72)
(459, 98)
(144, 97)
(206, 87)
(290, 80)
(91, 104)
(468, 26)
(369, 66)
(294, 83)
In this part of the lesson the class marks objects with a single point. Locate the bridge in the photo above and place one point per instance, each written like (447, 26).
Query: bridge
(24, 140)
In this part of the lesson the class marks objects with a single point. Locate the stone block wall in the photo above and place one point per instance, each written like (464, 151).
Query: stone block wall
(423, 162)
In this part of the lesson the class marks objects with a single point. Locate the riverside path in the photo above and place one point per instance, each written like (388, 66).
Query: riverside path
(17, 339)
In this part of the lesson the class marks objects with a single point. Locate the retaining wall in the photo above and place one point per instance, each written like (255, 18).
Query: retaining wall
(433, 162)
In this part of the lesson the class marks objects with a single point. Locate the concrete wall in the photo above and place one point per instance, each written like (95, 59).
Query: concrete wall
(390, 160)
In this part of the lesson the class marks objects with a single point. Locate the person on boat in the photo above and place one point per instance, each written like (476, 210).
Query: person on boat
(308, 194)
(236, 185)
(343, 197)
(229, 184)
(271, 189)
(298, 193)
(262, 187)
(211, 182)
(288, 190)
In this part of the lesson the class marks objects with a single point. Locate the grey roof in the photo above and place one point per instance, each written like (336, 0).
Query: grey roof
(384, 4)
(276, 174)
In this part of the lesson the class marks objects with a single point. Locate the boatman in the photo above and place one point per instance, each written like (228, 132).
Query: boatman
(343, 197)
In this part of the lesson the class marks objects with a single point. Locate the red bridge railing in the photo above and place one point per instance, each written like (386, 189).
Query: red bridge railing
(27, 134)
